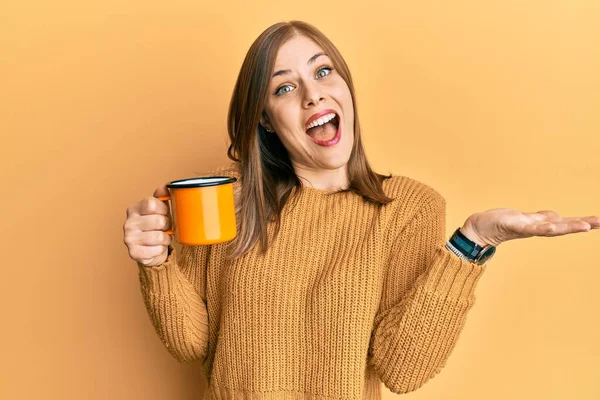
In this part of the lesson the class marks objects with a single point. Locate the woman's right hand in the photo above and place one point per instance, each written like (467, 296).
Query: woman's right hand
(144, 229)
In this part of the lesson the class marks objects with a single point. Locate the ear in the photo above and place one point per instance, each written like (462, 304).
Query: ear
(264, 121)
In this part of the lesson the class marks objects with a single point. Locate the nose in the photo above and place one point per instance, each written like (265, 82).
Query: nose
(312, 94)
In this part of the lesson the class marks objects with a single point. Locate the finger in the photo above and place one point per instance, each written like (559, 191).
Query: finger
(147, 252)
(152, 205)
(537, 228)
(133, 209)
(589, 220)
(154, 238)
(554, 217)
(594, 221)
(560, 228)
(161, 191)
(544, 215)
(154, 222)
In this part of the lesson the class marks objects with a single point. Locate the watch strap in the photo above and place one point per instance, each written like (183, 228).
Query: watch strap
(465, 245)
(453, 249)
(468, 250)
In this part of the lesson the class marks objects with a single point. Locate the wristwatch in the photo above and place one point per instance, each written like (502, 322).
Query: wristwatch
(468, 250)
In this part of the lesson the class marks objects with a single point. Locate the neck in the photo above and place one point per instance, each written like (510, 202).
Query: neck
(323, 179)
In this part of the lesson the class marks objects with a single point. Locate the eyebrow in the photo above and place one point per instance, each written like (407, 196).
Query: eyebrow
(310, 61)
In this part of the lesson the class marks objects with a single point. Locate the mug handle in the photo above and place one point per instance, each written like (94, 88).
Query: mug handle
(166, 198)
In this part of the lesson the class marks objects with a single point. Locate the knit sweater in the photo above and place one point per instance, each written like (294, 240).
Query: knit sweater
(348, 296)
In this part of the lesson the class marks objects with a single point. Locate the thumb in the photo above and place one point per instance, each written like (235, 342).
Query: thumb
(161, 191)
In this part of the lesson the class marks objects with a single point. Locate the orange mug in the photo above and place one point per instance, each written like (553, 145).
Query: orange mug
(202, 209)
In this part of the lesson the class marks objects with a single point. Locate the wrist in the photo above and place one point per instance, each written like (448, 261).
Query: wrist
(470, 248)
(469, 232)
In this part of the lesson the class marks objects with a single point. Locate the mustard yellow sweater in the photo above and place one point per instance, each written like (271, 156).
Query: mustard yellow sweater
(343, 300)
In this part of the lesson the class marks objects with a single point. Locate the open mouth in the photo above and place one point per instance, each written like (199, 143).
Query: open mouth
(325, 131)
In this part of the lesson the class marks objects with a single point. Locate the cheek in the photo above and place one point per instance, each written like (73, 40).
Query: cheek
(281, 115)
(343, 93)
(346, 100)
(348, 95)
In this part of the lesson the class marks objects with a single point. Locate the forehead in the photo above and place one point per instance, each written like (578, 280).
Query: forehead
(296, 51)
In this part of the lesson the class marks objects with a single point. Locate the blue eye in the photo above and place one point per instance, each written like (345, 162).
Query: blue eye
(323, 69)
(278, 92)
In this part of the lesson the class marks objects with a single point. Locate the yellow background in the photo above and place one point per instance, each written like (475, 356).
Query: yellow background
(493, 103)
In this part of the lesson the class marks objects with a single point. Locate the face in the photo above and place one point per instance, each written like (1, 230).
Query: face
(309, 87)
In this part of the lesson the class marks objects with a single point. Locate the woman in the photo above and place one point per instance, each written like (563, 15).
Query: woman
(353, 283)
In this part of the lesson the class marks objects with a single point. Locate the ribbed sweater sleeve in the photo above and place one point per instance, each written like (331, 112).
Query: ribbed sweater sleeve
(174, 295)
(427, 293)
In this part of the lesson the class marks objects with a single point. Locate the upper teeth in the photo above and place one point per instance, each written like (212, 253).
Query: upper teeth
(320, 121)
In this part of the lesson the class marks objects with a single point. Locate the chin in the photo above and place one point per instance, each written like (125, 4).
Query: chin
(335, 161)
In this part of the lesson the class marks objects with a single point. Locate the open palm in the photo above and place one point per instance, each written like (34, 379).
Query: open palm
(502, 224)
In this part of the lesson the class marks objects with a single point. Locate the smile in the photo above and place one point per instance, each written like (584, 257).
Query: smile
(325, 131)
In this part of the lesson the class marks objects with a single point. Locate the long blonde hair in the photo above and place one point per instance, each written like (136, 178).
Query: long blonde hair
(266, 170)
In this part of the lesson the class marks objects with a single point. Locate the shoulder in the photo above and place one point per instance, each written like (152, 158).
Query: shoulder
(412, 197)
(231, 168)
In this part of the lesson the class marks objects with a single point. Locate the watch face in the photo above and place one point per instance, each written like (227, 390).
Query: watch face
(486, 255)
